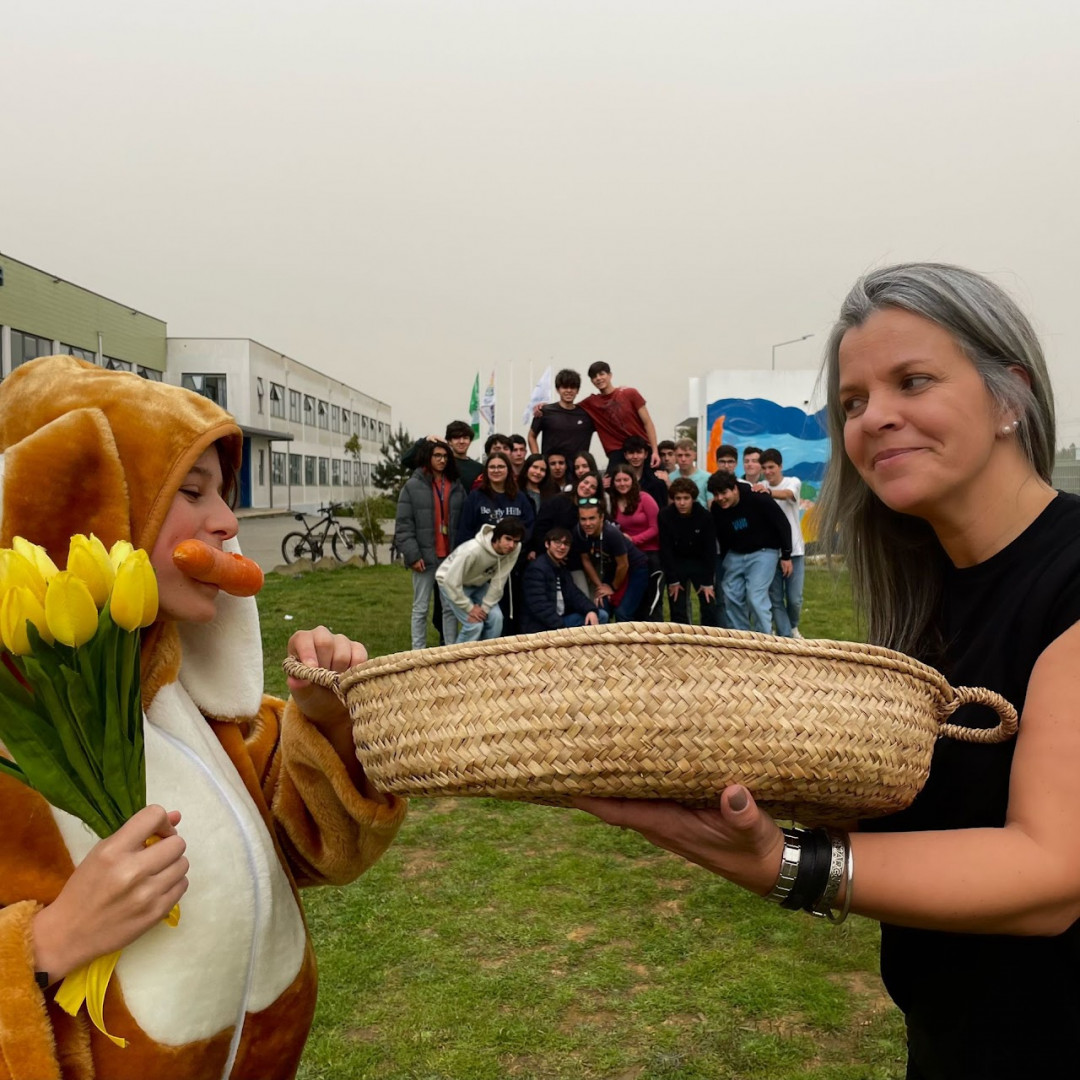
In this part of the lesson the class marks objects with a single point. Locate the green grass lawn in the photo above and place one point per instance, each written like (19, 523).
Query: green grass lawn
(498, 940)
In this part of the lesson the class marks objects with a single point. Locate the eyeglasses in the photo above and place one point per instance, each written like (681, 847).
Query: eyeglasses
(559, 543)
(438, 457)
(588, 502)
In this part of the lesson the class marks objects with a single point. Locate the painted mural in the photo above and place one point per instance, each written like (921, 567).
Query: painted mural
(799, 436)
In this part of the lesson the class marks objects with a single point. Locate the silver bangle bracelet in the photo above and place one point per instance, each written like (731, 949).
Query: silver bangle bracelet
(849, 874)
(789, 867)
(837, 861)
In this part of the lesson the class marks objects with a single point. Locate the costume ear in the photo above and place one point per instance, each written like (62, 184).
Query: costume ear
(65, 478)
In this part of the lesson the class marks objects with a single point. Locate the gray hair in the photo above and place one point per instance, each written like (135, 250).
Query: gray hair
(895, 561)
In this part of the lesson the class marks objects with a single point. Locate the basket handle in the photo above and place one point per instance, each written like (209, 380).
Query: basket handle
(976, 695)
(328, 680)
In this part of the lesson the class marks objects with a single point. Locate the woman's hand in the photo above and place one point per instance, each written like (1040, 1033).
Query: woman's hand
(118, 892)
(735, 840)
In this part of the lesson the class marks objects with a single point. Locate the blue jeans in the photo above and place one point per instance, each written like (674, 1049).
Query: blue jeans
(746, 588)
(785, 594)
(473, 631)
(637, 581)
(574, 619)
(423, 585)
(721, 608)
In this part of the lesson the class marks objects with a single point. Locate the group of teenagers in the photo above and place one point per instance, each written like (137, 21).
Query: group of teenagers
(937, 496)
(529, 542)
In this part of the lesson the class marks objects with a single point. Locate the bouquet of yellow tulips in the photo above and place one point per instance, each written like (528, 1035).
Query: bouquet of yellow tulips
(70, 704)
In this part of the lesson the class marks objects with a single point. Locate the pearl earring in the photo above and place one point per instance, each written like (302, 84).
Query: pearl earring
(1008, 429)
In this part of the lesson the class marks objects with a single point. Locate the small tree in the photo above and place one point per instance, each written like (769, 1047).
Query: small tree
(389, 475)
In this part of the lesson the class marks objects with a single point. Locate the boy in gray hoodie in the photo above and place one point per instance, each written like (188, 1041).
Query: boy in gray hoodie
(472, 577)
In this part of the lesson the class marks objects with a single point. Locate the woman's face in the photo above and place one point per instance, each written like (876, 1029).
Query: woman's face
(496, 471)
(557, 465)
(537, 472)
(920, 427)
(581, 467)
(587, 486)
(622, 483)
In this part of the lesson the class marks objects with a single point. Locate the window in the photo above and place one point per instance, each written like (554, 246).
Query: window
(294, 406)
(309, 409)
(295, 463)
(335, 418)
(148, 373)
(210, 386)
(277, 400)
(309, 469)
(259, 391)
(345, 422)
(262, 466)
(365, 426)
(113, 364)
(324, 414)
(277, 467)
(367, 471)
(346, 472)
(324, 470)
(28, 347)
(335, 472)
(71, 350)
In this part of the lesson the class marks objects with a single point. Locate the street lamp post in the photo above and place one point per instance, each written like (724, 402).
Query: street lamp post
(791, 342)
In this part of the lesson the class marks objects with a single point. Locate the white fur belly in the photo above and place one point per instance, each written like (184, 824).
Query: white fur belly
(241, 939)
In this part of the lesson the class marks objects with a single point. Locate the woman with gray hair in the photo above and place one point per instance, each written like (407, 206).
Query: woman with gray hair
(961, 553)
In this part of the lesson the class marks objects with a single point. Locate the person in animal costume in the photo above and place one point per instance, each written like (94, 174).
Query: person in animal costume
(252, 797)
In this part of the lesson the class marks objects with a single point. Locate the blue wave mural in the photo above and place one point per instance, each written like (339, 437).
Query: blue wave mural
(799, 436)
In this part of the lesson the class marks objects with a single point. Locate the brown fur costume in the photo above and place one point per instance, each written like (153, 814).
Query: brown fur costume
(267, 803)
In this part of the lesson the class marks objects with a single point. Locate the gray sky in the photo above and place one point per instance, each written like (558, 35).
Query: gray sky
(405, 192)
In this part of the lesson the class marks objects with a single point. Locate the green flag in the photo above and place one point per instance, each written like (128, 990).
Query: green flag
(474, 407)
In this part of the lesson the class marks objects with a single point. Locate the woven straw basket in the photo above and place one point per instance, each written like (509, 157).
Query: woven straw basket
(821, 731)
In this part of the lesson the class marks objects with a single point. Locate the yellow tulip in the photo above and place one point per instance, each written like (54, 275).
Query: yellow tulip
(70, 611)
(16, 570)
(36, 554)
(119, 552)
(88, 560)
(134, 600)
(18, 606)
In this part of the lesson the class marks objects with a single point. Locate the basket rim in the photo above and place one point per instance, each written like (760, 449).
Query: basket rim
(651, 633)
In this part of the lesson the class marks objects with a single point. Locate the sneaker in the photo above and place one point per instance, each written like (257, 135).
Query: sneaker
(795, 633)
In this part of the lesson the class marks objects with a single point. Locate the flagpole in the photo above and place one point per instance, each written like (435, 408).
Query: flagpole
(510, 429)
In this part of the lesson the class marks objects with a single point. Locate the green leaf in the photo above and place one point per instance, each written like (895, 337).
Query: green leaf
(42, 760)
(113, 785)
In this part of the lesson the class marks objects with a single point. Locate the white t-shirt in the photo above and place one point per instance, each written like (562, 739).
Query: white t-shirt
(792, 511)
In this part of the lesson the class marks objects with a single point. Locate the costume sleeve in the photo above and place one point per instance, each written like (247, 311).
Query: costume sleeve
(27, 1043)
(330, 831)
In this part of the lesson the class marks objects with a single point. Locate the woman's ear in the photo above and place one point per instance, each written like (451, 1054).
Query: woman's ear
(1021, 373)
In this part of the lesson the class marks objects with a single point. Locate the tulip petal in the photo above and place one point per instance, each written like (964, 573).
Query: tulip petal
(70, 611)
(89, 984)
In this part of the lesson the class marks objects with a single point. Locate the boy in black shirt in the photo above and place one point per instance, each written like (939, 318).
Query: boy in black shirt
(752, 533)
(688, 553)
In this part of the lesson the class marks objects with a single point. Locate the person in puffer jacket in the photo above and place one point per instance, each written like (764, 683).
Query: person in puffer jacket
(474, 575)
(428, 510)
(251, 797)
(551, 599)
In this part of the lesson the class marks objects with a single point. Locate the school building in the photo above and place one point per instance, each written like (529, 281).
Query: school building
(295, 420)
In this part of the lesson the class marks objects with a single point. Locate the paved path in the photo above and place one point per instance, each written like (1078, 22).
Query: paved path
(261, 536)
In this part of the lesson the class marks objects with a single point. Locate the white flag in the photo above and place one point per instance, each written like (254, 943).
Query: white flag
(487, 405)
(543, 392)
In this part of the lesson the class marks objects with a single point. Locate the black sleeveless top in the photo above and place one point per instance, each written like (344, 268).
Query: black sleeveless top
(980, 1005)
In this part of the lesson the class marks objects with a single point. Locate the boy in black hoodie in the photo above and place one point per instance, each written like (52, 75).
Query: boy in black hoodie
(688, 552)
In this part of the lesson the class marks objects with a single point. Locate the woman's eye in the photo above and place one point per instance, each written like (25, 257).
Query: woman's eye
(853, 406)
(191, 493)
(915, 382)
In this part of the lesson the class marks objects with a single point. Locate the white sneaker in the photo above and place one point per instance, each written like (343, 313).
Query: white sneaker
(795, 633)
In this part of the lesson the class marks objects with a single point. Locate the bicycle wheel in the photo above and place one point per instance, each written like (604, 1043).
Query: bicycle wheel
(347, 542)
(298, 546)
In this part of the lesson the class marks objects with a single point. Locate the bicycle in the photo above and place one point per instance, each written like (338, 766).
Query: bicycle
(345, 541)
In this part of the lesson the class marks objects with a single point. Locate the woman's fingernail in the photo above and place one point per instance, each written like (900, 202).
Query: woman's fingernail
(737, 801)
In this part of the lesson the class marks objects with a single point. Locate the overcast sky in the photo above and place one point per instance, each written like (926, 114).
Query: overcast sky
(405, 193)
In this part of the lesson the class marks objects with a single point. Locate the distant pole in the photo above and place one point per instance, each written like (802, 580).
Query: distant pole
(791, 342)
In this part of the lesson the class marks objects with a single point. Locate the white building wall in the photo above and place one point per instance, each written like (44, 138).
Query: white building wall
(270, 391)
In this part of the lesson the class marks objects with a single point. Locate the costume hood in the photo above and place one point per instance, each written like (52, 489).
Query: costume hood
(89, 450)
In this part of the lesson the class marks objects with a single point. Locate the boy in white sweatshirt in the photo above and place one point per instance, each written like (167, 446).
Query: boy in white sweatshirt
(472, 577)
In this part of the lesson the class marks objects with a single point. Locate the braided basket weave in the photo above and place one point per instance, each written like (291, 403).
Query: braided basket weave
(821, 731)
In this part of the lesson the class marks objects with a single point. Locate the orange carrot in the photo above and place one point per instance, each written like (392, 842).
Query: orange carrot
(230, 572)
